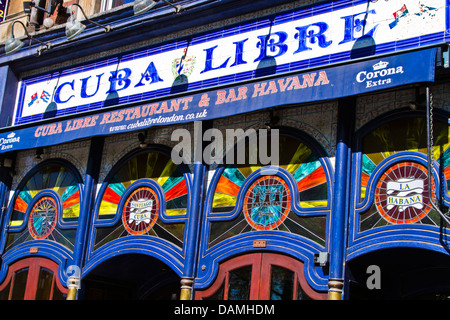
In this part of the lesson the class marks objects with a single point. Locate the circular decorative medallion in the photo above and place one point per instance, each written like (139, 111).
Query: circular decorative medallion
(267, 203)
(403, 194)
(42, 218)
(140, 211)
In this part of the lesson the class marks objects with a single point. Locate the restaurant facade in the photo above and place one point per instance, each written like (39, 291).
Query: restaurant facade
(204, 149)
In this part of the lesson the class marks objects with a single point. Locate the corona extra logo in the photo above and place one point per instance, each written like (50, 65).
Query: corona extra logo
(8, 142)
(403, 195)
(380, 65)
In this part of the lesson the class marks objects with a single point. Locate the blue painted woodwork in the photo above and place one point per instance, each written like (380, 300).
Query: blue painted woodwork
(167, 252)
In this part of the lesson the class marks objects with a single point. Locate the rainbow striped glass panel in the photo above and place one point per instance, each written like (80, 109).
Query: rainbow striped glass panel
(160, 168)
(295, 157)
(310, 176)
(65, 184)
(155, 166)
(399, 135)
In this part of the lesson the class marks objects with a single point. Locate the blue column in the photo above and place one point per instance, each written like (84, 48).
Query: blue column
(8, 84)
(5, 186)
(193, 229)
(90, 183)
(339, 214)
(195, 212)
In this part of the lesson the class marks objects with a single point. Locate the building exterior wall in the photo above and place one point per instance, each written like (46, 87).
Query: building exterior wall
(340, 89)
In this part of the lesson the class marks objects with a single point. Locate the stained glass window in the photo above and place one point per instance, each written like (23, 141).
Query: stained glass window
(47, 200)
(402, 194)
(140, 213)
(267, 201)
(296, 158)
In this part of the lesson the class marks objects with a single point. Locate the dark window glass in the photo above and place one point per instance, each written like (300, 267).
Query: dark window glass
(281, 283)
(19, 285)
(44, 284)
(239, 283)
(4, 294)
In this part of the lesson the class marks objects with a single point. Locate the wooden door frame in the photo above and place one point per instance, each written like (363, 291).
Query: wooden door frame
(252, 259)
(261, 263)
(34, 266)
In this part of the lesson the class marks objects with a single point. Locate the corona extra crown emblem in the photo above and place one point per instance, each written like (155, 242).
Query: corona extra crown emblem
(380, 65)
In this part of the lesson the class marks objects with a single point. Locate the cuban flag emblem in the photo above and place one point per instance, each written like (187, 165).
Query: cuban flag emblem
(398, 15)
(34, 97)
(45, 96)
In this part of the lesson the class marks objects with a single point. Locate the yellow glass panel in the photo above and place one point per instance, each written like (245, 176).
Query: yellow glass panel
(152, 158)
(313, 204)
(301, 154)
(223, 200)
(246, 171)
(72, 212)
(107, 208)
(33, 192)
(167, 172)
(15, 223)
(363, 192)
(176, 212)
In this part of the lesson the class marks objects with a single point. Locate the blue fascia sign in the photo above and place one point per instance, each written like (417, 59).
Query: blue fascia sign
(314, 85)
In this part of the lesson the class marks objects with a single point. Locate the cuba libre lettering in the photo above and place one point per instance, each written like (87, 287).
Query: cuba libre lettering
(119, 80)
(304, 38)
(70, 125)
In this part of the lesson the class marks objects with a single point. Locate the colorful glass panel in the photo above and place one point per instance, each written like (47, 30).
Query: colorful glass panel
(405, 134)
(399, 135)
(55, 178)
(140, 211)
(403, 194)
(295, 157)
(42, 218)
(267, 201)
(153, 165)
(158, 167)
(43, 224)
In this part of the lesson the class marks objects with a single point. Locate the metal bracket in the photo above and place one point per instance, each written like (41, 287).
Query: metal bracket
(321, 258)
(446, 57)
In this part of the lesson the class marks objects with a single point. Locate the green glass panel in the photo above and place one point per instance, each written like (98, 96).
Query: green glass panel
(367, 165)
(234, 175)
(25, 195)
(116, 185)
(69, 191)
(305, 169)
